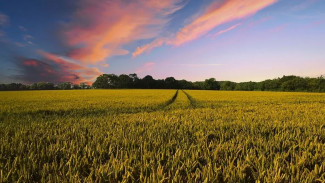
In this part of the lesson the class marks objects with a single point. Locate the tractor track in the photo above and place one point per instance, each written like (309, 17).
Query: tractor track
(193, 102)
(172, 100)
(83, 112)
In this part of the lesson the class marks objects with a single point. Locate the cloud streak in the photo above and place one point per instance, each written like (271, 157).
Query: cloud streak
(148, 47)
(53, 68)
(4, 19)
(196, 65)
(303, 5)
(96, 30)
(146, 67)
(226, 30)
(278, 28)
(213, 16)
(100, 29)
(85, 74)
(217, 14)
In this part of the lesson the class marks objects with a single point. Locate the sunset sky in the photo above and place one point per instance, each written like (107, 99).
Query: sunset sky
(237, 40)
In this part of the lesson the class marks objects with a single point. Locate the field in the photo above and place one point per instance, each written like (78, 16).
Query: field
(161, 136)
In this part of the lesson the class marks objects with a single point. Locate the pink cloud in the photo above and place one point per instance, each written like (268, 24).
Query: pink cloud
(217, 14)
(105, 65)
(214, 15)
(71, 71)
(4, 19)
(100, 30)
(146, 67)
(22, 28)
(28, 62)
(316, 23)
(34, 70)
(226, 30)
(260, 21)
(148, 47)
(196, 65)
(95, 31)
(278, 28)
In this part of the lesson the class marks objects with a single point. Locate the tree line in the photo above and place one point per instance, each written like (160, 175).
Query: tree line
(123, 81)
(43, 86)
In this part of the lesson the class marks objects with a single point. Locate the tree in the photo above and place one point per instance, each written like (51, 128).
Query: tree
(135, 80)
(124, 81)
(211, 84)
(33, 86)
(106, 81)
(199, 85)
(44, 86)
(147, 82)
(171, 82)
(183, 84)
(64, 86)
(247, 86)
(270, 85)
(14, 86)
(83, 85)
(321, 84)
(286, 83)
(76, 86)
(294, 84)
(228, 85)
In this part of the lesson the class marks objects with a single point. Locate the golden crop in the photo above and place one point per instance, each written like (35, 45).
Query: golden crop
(161, 136)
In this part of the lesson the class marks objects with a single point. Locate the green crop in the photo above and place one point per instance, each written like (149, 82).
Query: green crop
(161, 136)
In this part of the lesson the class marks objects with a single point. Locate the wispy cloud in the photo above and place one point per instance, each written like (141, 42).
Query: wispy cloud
(95, 31)
(105, 65)
(259, 21)
(318, 22)
(226, 30)
(217, 14)
(4, 19)
(22, 28)
(278, 28)
(28, 39)
(85, 73)
(195, 65)
(148, 47)
(303, 5)
(214, 15)
(53, 68)
(100, 30)
(146, 67)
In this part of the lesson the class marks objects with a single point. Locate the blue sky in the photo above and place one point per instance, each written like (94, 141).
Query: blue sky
(65, 40)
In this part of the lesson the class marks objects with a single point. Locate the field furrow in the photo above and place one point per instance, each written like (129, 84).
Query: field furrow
(193, 102)
(180, 103)
(162, 136)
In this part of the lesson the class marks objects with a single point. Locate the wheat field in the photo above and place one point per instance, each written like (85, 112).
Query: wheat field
(161, 136)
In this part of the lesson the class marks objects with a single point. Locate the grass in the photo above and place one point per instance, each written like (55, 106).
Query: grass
(161, 136)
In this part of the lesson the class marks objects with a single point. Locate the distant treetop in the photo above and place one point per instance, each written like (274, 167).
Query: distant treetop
(123, 81)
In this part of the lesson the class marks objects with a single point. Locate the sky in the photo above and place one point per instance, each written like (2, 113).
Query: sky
(76, 41)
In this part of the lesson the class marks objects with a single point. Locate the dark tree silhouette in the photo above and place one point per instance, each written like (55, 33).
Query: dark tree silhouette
(227, 85)
(171, 82)
(211, 84)
(106, 81)
(65, 86)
